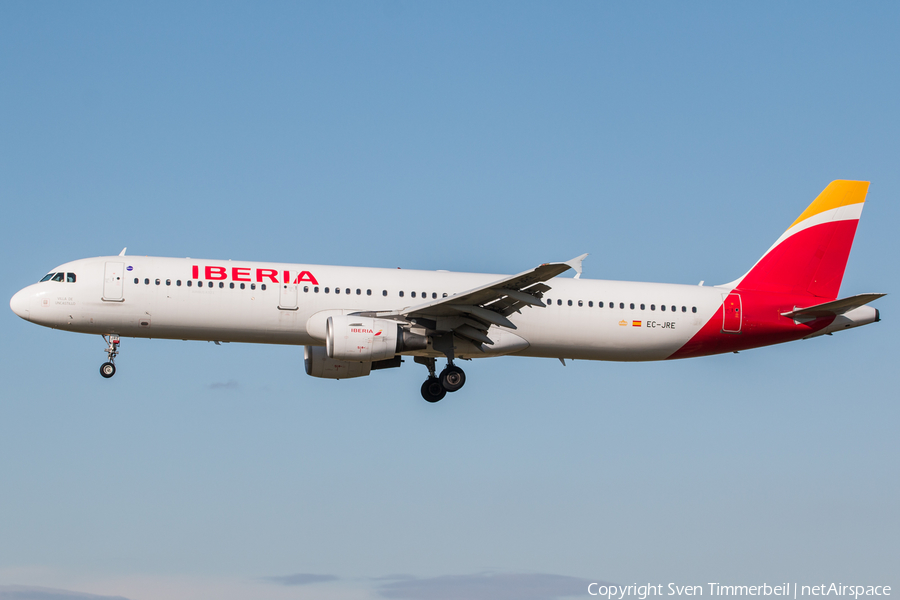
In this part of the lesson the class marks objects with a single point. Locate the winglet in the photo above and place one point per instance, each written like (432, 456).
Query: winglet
(122, 253)
(575, 263)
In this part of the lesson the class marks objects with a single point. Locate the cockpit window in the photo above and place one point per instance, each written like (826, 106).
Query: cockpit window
(58, 277)
(70, 277)
(47, 277)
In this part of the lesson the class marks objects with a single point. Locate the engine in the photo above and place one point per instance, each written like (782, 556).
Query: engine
(319, 365)
(353, 338)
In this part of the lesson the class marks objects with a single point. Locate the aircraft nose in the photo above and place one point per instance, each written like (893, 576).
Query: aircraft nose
(19, 304)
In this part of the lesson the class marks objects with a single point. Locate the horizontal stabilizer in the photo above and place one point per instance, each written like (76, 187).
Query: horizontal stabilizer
(833, 308)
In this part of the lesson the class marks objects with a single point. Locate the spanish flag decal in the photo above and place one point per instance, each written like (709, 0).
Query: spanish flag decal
(635, 323)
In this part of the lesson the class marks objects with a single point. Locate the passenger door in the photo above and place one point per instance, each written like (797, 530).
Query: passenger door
(731, 313)
(114, 282)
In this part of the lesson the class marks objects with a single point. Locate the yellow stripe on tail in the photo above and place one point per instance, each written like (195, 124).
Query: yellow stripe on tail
(838, 193)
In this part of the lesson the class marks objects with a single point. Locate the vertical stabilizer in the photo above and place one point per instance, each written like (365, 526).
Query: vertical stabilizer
(809, 259)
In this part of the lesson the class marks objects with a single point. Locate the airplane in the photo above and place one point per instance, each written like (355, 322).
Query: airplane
(353, 321)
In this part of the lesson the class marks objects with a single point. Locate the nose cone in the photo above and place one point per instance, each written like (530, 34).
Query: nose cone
(20, 304)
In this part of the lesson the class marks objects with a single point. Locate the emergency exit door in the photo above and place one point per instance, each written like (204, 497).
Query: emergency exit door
(731, 313)
(287, 297)
(114, 282)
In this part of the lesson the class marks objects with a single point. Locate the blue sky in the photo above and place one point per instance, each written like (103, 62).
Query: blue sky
(672, 142)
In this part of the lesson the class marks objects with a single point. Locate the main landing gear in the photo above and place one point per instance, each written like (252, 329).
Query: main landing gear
(436, 387)
(108, 369)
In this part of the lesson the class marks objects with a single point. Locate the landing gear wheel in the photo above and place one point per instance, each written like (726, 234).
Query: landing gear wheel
(432, 390)
(108, 369)
(452, 378)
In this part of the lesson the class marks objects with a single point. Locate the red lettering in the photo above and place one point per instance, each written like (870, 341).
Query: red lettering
(271, 274)
(216, 273)
(306, 276)
(195, 273)
(239, 273)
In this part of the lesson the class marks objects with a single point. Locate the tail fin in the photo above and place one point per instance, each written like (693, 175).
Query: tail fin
(809, 259)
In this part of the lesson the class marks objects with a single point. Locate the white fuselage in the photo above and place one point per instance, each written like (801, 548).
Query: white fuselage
(174, 298)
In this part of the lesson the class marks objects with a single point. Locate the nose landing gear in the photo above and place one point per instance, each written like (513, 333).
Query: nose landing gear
(108, 369)
(451, 379)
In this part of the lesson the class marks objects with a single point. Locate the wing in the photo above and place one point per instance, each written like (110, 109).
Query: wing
(472, 312)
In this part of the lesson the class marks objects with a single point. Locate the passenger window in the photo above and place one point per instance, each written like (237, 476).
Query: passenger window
(70, 277)
(621, 305)
(209, 284)
(359, 292)
(401, 294)
(384, 292)
(559, 302)
(48, 276)
(189, 282)
(413, 294)
(326, 290)
(368, 292)
(580, 303)
(305, 289)
(632, 305)
(158, 282)
(445, 294)
(136, 280)
(316, 289)
(347, 291)
(434, 294)
(262, 286)
(221, 285)
(643, 306)
(652, 307)
(693, 309)
(231, 285)
(177, 283)
(662, 307)
(570, 303)
(674, 308)
(146, 282)
(242, 286)
(600, 305)
(424, 294)
(684, 309)
(168, 282)
(590, 303)
(252, 286)
(336, 290)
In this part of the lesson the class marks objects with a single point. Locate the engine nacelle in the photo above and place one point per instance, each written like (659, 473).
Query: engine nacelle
(349, 337)
(319, 365)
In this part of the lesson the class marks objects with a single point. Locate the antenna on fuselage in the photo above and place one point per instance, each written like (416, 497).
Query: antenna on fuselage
(122, 253)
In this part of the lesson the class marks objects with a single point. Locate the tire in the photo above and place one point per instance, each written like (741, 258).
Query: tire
(453, 378)
(107, 369)
(432, 390)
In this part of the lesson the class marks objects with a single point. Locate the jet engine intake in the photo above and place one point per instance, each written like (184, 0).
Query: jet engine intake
(349, 337)
(318, 364)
